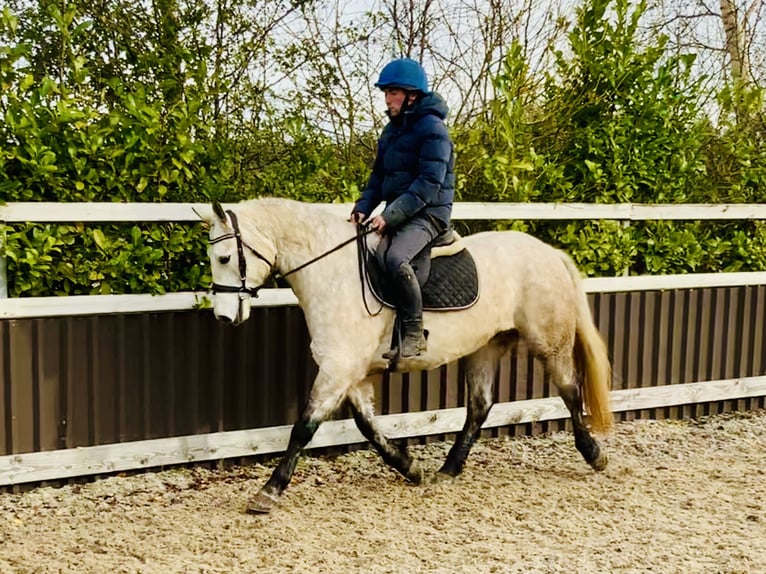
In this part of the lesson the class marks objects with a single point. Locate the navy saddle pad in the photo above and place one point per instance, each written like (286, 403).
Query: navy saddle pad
(452, 282)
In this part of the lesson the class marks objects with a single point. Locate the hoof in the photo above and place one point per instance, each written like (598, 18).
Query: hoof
(600, 462)
(591, 451)
(415, 474)
(442, 478)
(261, 503)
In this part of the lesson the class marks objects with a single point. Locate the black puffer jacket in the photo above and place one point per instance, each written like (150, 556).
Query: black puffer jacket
(414, 166)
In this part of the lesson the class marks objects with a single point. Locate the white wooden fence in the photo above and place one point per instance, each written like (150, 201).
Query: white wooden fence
(39, 466)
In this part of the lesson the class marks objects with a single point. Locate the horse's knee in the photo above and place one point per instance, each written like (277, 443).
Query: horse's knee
(327, 395)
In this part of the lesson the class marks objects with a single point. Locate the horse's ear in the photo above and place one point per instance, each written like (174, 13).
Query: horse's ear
(218, 210)
(204, 214)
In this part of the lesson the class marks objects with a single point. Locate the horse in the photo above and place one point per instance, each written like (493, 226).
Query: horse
(527, 290)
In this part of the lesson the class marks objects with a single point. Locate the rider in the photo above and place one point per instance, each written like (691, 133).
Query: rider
(414, 175)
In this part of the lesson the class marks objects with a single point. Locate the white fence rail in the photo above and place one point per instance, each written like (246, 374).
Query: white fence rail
(101, 459)
(76, 305)
(41, 212)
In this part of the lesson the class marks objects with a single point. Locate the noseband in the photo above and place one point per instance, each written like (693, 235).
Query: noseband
(253, 291)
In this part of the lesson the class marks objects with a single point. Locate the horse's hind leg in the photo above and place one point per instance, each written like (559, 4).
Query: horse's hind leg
(562, 373)
(360, 400)
(481, 368)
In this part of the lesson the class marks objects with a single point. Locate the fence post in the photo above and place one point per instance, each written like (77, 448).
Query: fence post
(3, 275)
(625, 224)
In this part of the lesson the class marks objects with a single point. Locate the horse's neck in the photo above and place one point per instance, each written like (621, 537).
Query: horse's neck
(300, 232)
(326, 286)
(307, 231)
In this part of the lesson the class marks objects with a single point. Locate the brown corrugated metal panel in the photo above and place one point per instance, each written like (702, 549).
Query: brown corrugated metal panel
(23, 389)
(104, 379)
(698, 335)
(5, 377)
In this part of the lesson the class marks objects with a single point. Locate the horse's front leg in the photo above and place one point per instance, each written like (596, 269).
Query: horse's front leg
(327, 394)
(395, 454)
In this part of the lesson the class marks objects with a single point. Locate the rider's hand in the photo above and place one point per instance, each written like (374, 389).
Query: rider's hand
(357, 217)
(378, 223)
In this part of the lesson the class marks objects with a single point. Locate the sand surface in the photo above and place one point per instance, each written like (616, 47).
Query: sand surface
(677, 497)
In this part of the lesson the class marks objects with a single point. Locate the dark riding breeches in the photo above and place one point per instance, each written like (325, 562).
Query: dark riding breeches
(408, 245)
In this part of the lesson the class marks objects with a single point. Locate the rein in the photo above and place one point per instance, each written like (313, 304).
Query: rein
(364, 274)
(253, 291)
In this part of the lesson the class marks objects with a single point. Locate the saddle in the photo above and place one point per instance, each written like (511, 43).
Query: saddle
(448, 278)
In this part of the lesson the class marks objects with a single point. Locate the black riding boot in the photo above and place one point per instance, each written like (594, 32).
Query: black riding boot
(410, 309)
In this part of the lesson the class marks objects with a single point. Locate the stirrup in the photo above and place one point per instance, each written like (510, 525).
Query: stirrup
(392, 353)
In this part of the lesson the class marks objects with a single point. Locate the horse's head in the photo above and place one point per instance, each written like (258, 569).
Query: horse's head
(240, 265)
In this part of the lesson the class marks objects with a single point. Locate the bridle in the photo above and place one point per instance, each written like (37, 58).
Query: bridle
(242, 288)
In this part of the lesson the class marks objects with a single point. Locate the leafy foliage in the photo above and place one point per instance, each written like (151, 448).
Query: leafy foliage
(619, 122)
(75, 260)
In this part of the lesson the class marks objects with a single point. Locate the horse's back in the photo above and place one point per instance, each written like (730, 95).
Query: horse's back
(524, 279)
(519, 255)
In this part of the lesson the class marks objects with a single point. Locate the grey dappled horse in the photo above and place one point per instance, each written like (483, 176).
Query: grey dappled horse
(528, 290)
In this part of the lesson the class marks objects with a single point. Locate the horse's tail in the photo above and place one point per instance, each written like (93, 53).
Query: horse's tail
(591, 358)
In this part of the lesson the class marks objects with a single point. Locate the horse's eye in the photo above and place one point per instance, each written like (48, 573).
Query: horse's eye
(225, 259)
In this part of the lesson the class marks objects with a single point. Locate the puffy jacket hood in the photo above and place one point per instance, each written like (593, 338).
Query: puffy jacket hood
(428, 104)
(431, 103)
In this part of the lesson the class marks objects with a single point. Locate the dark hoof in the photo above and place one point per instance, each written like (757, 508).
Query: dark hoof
(591, 451)
(261, 503)
(600, 462)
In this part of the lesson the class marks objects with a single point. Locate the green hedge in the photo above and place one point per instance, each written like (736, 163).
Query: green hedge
(613, 122)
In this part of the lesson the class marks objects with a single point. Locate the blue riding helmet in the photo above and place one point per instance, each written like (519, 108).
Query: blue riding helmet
(403, 73)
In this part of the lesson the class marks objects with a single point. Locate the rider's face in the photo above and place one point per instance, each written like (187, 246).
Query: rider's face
(394, 100)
